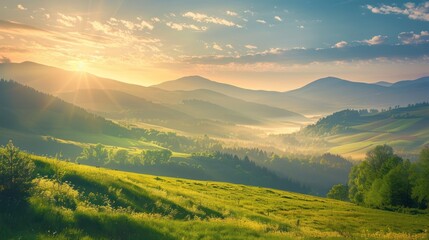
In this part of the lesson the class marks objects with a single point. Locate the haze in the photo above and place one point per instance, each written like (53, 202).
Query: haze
(272, 45)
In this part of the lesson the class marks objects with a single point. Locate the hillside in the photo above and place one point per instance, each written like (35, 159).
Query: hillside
(27, 110)
(104, 204)
(46, 125)
(352, 132)
(72, 86)
(117, 104)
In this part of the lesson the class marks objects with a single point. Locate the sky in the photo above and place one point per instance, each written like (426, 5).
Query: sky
(270, 44)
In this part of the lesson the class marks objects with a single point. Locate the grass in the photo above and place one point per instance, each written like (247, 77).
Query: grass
(405, 135)
(106, 204)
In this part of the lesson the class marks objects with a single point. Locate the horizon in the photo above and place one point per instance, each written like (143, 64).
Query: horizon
(270, 46)
(212, 80)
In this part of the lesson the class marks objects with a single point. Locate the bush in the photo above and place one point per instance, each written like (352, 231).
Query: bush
(339, 192)
(16, 175)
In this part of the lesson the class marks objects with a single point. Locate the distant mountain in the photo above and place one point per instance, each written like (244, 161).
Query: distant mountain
(107, 96)
(383, 84)
(190, 83)
(322, 96)
(271, 98)
(418, 83)
(340, 93)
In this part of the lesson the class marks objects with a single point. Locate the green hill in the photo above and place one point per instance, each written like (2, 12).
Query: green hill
(44, 124)
(353, 132)
(95, 203)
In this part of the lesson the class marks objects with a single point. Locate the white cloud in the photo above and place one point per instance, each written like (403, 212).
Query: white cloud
(199, 17)
(229, 46)
(300, 26)
(261, 21)
(20, 7)
(340, 44)
(413, 11)
(375, 40)
(129, 25)
(182, 26)
(251, 47)
(413, 38)
(278, 18)
(47, 16)
(231, 13)
(217, 47)
(155, 19)
(144, 25)
(68, 21)
(101, 27)
(249, 12)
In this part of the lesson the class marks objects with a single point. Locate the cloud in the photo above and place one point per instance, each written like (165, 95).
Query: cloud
(307, 56)
(413, 11)
(14, 26)
(155, 19)
(20, 7)
(4, 59)
(68, 21)
(249, 12)
(231, 13)
(414, 38)
(47, 16)
(145, 25)
(199, 17)
(278, 18)
(251, 47)
(217, 47)
(131, 26)
(261, 21)
(182, 26)
(229, 46)
(375, 40)
(340, 44)
(98, 26)
(300, 26)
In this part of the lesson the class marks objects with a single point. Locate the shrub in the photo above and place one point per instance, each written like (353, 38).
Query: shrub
(16, 174)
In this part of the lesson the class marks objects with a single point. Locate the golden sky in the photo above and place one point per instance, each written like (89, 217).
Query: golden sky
(273, 45)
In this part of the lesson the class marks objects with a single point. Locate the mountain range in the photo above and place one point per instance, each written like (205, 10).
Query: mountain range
(115, 99)
(325, 95)
(186, 97)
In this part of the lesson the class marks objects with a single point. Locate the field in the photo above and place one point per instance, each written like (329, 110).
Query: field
(407, 133)
(98, 203)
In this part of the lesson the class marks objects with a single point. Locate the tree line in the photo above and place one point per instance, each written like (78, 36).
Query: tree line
(385, 180)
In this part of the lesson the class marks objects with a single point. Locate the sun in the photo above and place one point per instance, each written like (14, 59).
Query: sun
(80, 66)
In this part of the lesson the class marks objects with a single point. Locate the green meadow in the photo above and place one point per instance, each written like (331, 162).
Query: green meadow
(96, 203)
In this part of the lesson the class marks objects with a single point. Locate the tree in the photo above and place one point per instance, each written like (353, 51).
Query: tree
(152, 157)
(366, 178)
(97, 154)
(339, 192)
(420, 191)
(16, 174)
(121, 157)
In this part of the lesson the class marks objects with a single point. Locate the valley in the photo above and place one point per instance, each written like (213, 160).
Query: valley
(209, 120)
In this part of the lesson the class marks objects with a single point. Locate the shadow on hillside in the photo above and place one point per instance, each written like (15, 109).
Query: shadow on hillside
(39, 222)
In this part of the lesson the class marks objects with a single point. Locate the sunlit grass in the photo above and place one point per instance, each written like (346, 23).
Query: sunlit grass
(111, 203)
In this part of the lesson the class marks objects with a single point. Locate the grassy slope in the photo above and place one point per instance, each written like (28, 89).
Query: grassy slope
(405, 134)
(170, 208)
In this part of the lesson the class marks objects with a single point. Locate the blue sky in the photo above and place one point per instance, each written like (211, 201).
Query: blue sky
(256, 44)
